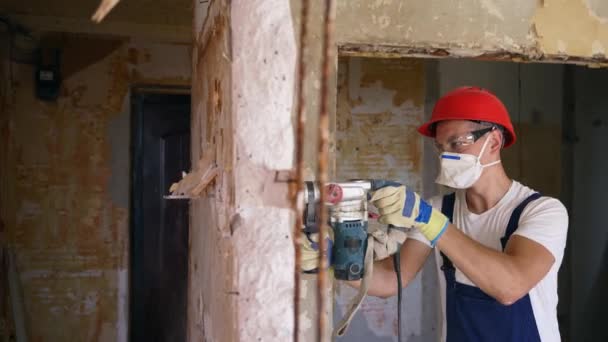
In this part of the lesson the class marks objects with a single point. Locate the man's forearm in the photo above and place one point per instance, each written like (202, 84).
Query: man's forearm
(504, 276)
(384, 280)
(383, 283)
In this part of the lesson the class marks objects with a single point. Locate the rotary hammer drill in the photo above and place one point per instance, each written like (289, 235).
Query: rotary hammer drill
(348, 217)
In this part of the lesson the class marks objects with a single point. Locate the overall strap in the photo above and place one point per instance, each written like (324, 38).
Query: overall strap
(514, 220)
(447, 205)
(447, 209)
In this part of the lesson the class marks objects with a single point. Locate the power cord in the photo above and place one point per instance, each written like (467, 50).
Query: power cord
(397, 265)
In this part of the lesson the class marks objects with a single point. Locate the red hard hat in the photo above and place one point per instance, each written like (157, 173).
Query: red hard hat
(471, 103)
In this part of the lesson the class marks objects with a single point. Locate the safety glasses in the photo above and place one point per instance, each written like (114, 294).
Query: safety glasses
(457, 144)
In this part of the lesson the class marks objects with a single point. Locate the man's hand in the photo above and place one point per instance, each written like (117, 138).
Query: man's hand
(403, 208)
(387, 242)
(310, 250)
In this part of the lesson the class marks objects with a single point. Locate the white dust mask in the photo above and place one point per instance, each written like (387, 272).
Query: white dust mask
(461, 171)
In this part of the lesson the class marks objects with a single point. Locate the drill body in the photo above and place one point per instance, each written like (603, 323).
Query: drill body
(348, 250)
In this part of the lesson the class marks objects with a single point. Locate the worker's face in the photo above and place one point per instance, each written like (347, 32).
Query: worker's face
(462, 136)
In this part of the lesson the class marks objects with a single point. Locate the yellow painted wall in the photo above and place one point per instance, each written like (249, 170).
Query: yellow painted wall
(65, 184)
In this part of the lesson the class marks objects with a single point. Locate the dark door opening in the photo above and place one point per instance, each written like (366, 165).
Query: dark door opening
(159, 227)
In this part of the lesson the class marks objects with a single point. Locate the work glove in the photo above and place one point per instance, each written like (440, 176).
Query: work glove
(404, 208)
(387, 241)
(310, 250)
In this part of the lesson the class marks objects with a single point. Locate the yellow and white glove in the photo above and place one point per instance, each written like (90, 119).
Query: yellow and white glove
(310, 250)
(404, 208)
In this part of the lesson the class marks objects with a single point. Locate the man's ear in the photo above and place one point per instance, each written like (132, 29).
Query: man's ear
(496, 141)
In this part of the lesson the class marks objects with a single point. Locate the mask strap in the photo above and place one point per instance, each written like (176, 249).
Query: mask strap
(490, 164)
(483, 148)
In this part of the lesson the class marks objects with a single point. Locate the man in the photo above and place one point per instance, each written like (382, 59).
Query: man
(498, 243)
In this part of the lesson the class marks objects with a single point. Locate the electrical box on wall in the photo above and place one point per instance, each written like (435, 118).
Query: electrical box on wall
(48, 74)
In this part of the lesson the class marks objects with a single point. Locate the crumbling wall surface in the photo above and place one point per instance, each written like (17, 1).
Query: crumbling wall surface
(241, 274)
(263, 94)
(213, 290)
(584, 35)
(481, 24)
(534, 28)
(380, 104)
(65, 190)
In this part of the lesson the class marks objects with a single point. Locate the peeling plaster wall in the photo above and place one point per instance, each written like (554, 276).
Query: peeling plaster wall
(586, 33)
(598, 8)
(484, 24)
(533, 28)
(379, 108)
(381, 102)
(65, 190)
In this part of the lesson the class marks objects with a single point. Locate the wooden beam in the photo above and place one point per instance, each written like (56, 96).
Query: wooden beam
(104, 8)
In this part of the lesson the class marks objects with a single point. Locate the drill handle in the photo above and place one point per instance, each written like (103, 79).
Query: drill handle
(381, 183)
(376, 184)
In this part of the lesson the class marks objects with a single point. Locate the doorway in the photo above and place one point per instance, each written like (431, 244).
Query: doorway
(159, 227)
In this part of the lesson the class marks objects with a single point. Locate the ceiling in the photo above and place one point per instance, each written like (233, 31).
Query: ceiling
(163, 12)
(164, 20)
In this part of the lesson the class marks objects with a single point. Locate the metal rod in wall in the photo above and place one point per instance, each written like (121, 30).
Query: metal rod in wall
(323, 157)
(300, 121)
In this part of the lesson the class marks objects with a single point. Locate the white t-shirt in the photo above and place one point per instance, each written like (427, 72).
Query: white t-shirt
(544, 221)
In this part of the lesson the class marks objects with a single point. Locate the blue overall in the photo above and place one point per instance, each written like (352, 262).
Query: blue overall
(471, 314)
